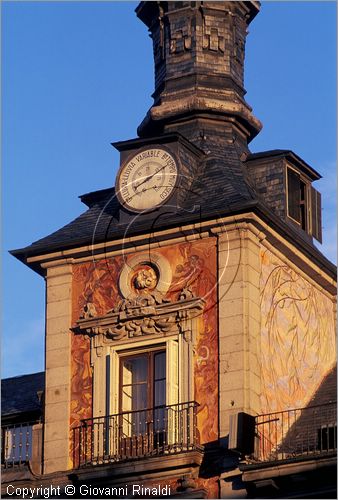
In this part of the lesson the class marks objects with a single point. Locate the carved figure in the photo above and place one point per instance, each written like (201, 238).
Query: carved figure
(185, 294)
(88, 311)
(145, 278)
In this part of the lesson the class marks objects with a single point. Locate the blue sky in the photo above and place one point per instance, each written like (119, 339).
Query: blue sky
(77, 76)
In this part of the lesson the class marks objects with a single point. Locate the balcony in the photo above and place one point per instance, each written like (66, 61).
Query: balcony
(296, 433)
(294, 454)
(22, 446)
(161, 431)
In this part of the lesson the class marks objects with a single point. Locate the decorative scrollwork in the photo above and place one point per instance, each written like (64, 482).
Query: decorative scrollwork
(142, 314)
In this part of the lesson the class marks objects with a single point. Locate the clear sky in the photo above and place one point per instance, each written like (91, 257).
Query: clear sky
(77, 76)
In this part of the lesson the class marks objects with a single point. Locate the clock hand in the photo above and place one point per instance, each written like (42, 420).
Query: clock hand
(149, 177)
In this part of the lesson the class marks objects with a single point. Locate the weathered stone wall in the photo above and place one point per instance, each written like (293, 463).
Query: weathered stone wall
(58, 368)
(239, 324)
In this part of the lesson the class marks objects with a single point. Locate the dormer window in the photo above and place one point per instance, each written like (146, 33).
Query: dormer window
(297, 199)
(304, 204)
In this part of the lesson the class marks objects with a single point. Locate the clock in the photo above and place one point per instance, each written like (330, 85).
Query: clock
(147, 179)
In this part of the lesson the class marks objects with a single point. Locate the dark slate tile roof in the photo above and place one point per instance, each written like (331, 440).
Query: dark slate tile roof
(286, 153)
(102, 220)
(221, 187)
(19, 394)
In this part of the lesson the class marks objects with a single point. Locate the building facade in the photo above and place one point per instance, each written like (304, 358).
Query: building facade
(190, 336)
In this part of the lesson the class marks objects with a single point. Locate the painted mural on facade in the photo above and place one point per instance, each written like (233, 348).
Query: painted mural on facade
(193, 266)
(297, 336)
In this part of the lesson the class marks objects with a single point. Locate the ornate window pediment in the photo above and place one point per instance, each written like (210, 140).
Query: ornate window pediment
(146, 313)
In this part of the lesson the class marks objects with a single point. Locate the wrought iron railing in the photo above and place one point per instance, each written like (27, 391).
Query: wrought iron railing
(297, 432)
(136, 434)
(17, 444)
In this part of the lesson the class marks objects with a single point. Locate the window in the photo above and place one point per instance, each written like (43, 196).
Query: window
(297, 199)
(327, 438)
(143, 380)
(143, 399)
(138, 411)
(143, 393)
(17, 441)
(304, 204)
(143, 383)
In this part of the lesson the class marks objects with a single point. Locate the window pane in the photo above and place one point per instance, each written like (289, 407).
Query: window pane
(294, 195)
(159, 393)
(139, 397)
(135, 370)
(159, 361)
(127, 403)
(159, 417)
(303, 205)
(134, 383)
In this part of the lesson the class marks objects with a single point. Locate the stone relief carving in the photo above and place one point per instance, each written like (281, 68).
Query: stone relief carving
(180, 39)
(89, 311)
(145, 278)
(213, 38)
(147, 313)
(145, 272)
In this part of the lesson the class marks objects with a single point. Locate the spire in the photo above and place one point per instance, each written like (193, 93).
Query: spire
(199, 69)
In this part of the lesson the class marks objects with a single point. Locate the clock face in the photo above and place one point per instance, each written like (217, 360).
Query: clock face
(147, 179)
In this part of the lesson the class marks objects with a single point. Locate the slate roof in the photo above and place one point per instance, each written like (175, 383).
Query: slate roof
(19, 394)
(221, 187)
(288, 154)
(101, 221)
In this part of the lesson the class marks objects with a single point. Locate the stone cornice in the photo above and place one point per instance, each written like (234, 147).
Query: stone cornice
(311, 261)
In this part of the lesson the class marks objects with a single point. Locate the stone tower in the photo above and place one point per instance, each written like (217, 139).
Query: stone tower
(199, 52)
(187, 309)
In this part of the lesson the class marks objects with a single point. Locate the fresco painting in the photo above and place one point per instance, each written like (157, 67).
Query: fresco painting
(193, 265)
(297, 336)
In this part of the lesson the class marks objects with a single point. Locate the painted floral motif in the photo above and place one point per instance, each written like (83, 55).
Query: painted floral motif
(297, 332)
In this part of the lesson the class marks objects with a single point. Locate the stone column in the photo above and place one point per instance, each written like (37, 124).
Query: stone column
(239, 323)
(58, 368)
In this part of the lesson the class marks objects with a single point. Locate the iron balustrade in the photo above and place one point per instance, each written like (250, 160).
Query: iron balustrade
(17, 444)
(295, 433)
(136, 434)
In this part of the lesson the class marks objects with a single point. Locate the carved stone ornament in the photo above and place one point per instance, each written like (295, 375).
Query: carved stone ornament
(213, 37)
(142, 314)
(145, 278)
(180, 39)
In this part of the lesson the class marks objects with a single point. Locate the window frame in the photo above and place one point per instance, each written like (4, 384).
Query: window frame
(150, 355)
(305, 202)
(179, 382)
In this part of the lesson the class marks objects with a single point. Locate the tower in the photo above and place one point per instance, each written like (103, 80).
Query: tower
(199, 71)
(188, 303)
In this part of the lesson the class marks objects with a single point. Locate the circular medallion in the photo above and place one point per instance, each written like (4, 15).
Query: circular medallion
(144, 278)
(147, 179)
(145, 273)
